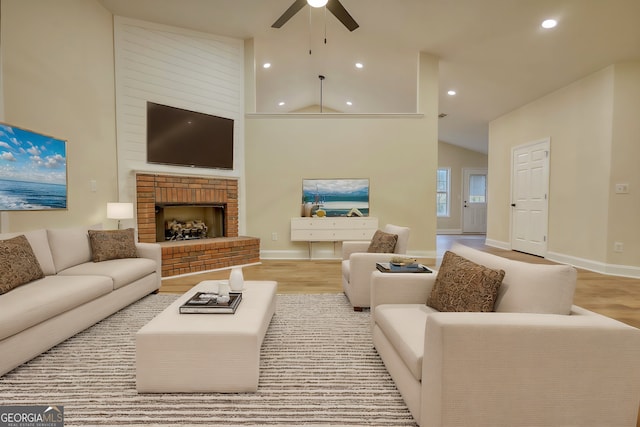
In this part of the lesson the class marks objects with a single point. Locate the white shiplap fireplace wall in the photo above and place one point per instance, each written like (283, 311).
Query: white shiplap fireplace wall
(181, 68)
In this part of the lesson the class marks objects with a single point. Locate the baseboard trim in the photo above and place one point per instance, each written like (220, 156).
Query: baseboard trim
(585, 264)
(449, 231)
(498, 244)
(596, 266)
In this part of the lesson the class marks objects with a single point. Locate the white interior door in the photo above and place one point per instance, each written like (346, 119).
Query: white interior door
(530, 198)
(474, 207)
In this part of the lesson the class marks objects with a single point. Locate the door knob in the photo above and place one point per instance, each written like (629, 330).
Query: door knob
(513, 205)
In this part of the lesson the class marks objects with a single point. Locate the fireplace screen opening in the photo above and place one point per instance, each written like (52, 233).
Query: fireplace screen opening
(189, 222)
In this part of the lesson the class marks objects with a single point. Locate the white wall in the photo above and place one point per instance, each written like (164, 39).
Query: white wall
(57, 76)
(624, 209)
(181, 68)
(591, 143)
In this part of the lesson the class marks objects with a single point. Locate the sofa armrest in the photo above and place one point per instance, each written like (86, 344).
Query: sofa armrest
(400, 288)
(350, 247)
(151, 251)
(578, 369)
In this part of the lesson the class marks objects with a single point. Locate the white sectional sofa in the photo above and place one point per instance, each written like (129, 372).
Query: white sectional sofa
(537, 360)
(74, 293)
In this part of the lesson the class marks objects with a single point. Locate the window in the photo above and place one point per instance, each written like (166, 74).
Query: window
(477, 188)
(442, 191)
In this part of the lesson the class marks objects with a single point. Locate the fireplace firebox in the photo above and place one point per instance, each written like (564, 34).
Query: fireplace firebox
(189, 222)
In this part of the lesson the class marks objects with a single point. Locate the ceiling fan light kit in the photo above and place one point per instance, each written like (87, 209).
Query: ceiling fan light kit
(317, 3)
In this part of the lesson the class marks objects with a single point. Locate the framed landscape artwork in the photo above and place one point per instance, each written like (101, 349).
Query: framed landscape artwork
(33, 170)
(337, 197)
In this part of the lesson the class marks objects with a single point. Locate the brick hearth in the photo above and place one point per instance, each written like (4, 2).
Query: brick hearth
(193, 256)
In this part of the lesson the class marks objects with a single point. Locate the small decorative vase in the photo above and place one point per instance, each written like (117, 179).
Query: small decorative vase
(307, 208)
(236, 279)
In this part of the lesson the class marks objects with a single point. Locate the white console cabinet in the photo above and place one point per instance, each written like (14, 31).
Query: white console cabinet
(332, 229)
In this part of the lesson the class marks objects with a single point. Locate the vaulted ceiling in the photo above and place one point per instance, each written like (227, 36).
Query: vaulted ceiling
(493, 53)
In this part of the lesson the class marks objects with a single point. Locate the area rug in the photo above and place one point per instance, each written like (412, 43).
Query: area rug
(318, 367)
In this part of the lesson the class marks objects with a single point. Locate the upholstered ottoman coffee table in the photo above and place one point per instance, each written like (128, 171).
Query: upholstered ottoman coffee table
(189, 353)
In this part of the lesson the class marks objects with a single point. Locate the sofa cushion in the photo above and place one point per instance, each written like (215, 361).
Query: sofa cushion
(18, 263)
(42, 299)
(463, 285)
(526, 287)
(121, 272)
(403, 325)
(69, 246)
(112, 244)
(40, 245)
(382, 242)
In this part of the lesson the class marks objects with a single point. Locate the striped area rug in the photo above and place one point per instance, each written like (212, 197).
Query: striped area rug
(318, 367)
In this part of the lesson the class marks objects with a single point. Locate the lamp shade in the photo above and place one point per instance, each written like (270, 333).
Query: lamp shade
(119, 210)
(317, 3)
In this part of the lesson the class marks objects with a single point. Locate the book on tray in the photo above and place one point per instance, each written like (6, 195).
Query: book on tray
(390, 267)
(208, 302)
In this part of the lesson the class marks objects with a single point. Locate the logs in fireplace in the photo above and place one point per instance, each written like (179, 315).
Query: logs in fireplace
(185, 230)
(177, 222)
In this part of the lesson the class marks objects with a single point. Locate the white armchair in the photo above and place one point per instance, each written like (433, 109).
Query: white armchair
(358, 264)
(550, 363)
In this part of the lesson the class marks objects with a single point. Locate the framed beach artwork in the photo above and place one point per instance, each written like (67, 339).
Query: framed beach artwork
(33, 170)
(335, 197)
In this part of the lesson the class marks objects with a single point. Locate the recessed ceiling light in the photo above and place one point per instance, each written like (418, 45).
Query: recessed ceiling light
(451, 92)
(281, 103)
(359, 65)
(349, 103)
(266, 65)
(549, 23)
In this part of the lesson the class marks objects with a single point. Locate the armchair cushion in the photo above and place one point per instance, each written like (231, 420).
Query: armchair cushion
(463, 285)
(382, 242)
(403, 325)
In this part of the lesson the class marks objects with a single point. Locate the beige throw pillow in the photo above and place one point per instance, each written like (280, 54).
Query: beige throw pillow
(462, 285)
(18, 263)
(112, 244)
(382, 242)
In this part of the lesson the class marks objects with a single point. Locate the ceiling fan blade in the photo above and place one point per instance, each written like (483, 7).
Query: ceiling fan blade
(341, 13)
(288, 14)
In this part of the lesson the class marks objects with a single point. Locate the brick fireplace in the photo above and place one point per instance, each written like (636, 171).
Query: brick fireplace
(192, 256)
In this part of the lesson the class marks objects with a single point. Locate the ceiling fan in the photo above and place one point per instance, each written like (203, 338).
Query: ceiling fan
(334, 6)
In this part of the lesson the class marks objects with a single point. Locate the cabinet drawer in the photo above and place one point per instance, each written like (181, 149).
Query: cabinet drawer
(332, 229)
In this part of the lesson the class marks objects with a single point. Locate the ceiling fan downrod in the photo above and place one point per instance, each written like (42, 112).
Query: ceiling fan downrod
(321, 77)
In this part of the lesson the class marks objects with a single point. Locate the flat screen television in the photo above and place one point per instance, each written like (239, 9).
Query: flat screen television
(187, 138)
(33, 170)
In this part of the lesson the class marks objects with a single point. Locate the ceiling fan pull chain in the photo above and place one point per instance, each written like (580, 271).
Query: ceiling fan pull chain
(325, 25)
(310, 32)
